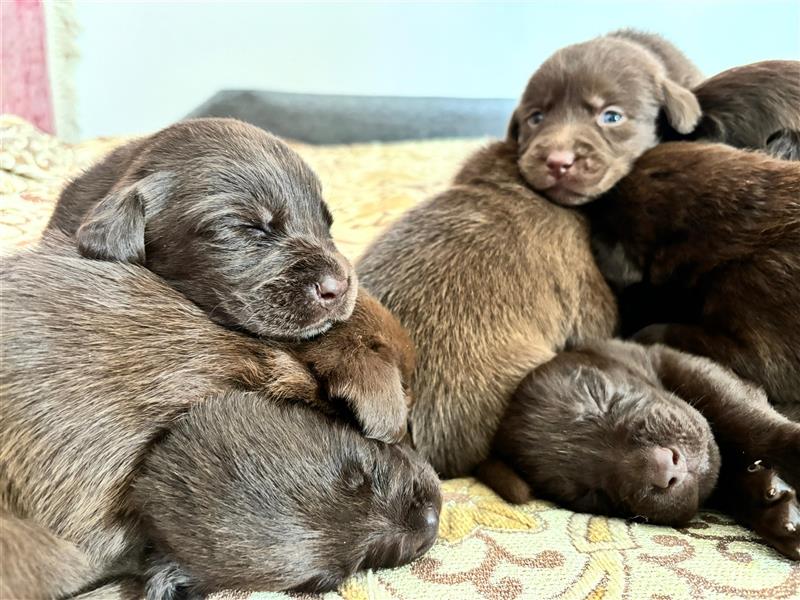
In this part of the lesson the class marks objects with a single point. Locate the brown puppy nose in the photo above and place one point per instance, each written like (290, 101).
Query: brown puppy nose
(667, 467)
(426, 528)
(559, 162)
(330, 288)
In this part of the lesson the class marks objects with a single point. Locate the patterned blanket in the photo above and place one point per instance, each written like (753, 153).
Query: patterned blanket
(486, 548)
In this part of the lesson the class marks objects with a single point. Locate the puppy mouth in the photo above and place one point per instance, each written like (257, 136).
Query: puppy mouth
(561, 193)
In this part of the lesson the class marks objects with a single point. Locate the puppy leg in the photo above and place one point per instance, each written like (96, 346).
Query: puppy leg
(753, 438)
(367, 362)
(34, 563)
(719, 347)
(504, 481)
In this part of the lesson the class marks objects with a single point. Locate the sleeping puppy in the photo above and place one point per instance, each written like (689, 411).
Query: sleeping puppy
(490, 279)
(101, 358)
(591, 109)
(715, 231)
(755, 106)
(243, 493)
(228, 215)
(620, 429)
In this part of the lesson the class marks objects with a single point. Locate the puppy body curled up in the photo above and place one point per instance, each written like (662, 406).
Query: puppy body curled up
(716, 231)
(490, 279)
(228, 215)
(592, 108)
(755, 106)
(244, 493)
(621, 429)
(100, 359)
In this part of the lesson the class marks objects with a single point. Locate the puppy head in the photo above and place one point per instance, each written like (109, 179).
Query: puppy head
(588, 112)
(234, 220)
(246, 494)
(612, 443)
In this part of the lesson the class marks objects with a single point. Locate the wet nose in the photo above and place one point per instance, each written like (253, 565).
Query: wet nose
(667, 467)
(559, 162)
(426, 528)
(329, 289)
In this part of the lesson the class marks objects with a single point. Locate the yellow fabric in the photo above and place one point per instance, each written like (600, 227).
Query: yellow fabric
(486, 548)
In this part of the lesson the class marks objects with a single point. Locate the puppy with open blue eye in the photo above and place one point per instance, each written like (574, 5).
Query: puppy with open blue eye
(592, 108)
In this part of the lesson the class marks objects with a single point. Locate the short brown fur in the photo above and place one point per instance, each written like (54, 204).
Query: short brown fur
(716, 231)
(490, 279)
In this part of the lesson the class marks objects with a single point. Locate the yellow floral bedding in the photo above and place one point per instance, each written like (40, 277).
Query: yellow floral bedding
(486, 548)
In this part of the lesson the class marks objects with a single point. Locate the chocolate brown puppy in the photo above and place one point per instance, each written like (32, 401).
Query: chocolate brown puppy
(621, 429)
(246, 494)
(100, 358)
(490, 279)
(228, 215)
(754, 106)
(592, 108)
(718, 230)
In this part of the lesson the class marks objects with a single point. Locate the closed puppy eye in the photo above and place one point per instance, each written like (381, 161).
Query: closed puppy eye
(258, 229)
(536, 117)
(611, 116)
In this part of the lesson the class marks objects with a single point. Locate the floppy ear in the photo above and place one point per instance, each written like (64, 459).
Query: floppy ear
(114, 229)
(681, 105)
(512, 133)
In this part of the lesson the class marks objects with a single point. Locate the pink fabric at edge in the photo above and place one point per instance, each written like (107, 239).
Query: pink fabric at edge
(24, 79)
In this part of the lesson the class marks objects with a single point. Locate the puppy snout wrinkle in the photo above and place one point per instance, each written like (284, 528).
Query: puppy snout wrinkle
(668, 467)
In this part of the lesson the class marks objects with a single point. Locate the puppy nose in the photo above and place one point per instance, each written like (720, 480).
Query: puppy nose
(667, 467)
(329, 288)
(426, 519)
(426, 527)
(559, 162)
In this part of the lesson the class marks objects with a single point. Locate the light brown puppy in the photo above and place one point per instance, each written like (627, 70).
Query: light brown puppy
(101, 358)
(591, 109)
(754, 106)
(490, 279)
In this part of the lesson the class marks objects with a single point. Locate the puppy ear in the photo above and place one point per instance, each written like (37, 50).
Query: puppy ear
(512, 133)
(681, 105)
(114, 229)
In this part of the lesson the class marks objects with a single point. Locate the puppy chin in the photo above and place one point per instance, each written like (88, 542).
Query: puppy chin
(566, 197)
(313, 331)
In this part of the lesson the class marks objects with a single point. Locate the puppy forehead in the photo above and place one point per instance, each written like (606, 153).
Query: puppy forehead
(593, 73)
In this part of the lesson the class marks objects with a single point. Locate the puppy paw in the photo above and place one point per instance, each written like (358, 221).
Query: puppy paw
(367, 363)
(774, 510)
(373, 389)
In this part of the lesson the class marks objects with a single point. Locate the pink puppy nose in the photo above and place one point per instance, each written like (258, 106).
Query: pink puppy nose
(329, 288)
(667, 467)
(559, 161)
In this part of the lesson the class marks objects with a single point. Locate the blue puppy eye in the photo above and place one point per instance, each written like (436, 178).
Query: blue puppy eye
(610, 117)
(536, 118)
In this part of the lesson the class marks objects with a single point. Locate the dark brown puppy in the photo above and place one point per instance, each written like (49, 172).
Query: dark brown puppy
(755, 106)
(490, 279)
(719, 229)
(620, 429)
(228, 215)
(247, 494)
(591, 109)
(100, 358)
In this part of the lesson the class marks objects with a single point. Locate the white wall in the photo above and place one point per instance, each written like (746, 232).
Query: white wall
(143, 65)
